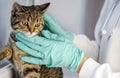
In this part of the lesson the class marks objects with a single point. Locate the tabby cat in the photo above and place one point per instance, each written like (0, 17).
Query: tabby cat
(29, 20)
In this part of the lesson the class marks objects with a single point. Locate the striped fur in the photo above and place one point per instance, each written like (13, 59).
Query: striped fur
(29, 20)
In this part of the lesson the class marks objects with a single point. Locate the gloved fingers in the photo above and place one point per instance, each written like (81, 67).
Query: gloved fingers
(35, 40)
(21, 37)
(47, 17)
(33, 60)
(34, 46)
(29, 50)
(49, 20)
(56, 28)
(49, 35)
(52, 24)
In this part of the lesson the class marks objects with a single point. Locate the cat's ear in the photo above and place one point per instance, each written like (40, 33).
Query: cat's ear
(17, 7)
(44, 7)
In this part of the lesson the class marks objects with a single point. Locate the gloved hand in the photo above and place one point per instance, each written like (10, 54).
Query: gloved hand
(56, 28)
(51, 50)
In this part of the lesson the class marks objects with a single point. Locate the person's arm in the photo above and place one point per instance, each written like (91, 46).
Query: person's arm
(81, 41)
(92, 69)
(62, 53)
(89, 68)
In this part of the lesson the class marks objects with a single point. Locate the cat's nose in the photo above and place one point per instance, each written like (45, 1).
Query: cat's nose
(32, 30)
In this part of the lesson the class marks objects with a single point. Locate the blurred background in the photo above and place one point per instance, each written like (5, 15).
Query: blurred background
(77, 16)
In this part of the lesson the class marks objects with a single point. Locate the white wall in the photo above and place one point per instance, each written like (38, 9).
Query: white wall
(78, 16)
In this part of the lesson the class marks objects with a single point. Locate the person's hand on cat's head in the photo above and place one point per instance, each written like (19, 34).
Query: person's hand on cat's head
(56, 28)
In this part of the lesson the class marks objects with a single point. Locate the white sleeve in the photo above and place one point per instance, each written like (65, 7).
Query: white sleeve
(92, 69)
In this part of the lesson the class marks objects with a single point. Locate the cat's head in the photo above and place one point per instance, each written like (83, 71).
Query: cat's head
(28, 19)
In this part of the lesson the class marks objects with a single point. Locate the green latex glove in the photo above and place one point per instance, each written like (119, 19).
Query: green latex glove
(56, 28)
(51, 50)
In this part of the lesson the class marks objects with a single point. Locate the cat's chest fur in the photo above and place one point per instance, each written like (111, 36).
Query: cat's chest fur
(25, 70)
(17, 53)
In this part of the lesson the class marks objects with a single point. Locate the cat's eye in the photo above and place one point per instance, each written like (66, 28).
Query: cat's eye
(37, 25)
(25, 23)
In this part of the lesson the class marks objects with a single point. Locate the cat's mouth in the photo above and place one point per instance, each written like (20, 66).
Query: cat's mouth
(29, 34)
